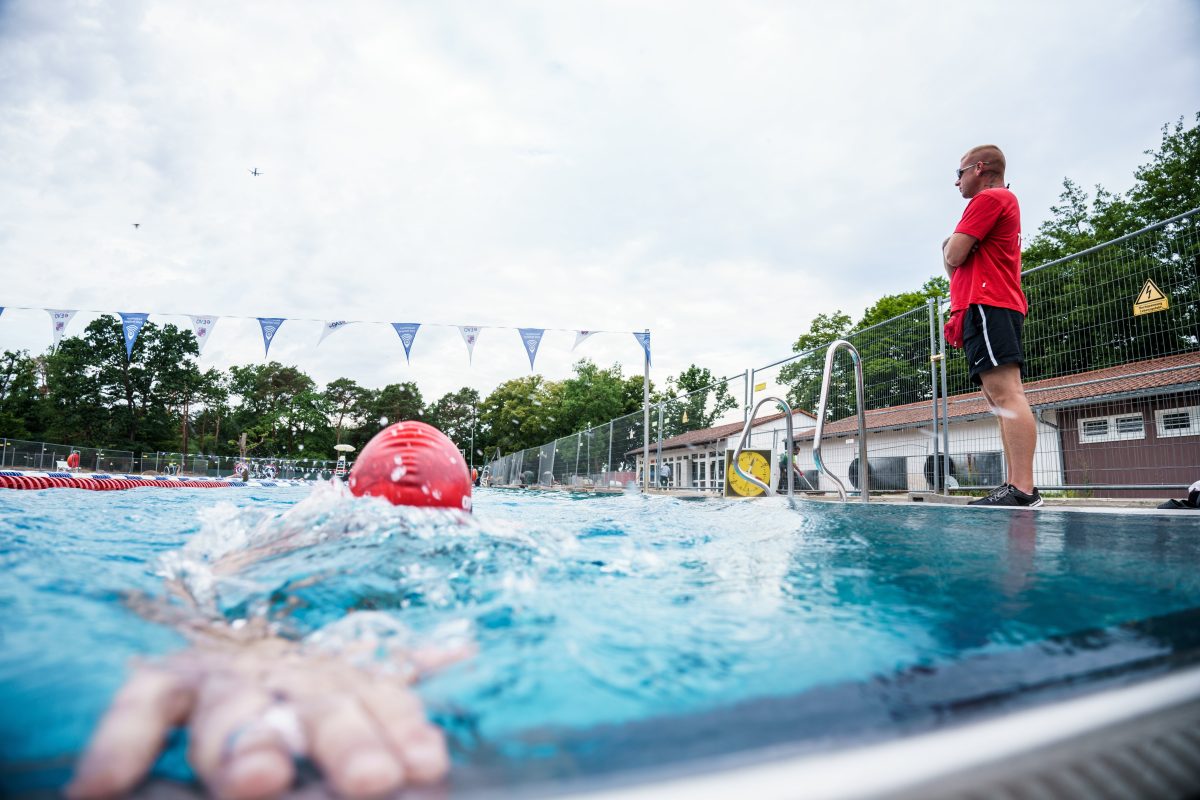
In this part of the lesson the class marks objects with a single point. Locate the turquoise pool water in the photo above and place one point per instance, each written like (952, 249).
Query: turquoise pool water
(613, 632)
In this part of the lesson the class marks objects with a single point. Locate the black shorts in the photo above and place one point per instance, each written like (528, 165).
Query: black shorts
(991, 337)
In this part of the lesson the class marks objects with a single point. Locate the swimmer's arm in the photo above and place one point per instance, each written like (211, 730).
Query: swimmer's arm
(250, 711)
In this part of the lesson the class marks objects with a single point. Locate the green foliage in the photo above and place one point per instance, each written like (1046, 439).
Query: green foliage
(20, 411)
(395, 402)
(518, 414)
(1076, 322)
(455, 414)
(803, 376)
(88, 393)
(594, 396)
(693, 401)
(347, 403)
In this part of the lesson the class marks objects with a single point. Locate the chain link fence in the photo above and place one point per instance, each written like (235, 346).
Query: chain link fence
(20, 454)
(1112, 346)
(47, 457)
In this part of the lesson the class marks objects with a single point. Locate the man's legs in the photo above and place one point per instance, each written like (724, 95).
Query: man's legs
(1003, 390)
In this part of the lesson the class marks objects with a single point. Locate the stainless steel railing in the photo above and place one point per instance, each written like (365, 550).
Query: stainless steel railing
(737, 452)
(863, 469)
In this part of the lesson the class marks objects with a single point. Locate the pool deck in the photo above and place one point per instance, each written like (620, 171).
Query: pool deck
(1093, 504)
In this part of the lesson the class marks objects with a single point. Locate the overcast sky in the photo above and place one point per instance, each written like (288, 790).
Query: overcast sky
(718, 172)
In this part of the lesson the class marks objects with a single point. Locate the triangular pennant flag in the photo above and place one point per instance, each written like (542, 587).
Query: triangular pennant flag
(202, 327)
(58, 321)
(407, 331)
(330, 327)
(644, 341)
(131, 325)
(532, 337)
(582, 336)
(270, 326)
(470, 334)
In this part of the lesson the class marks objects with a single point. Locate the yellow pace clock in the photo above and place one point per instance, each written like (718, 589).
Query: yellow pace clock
(752, 462)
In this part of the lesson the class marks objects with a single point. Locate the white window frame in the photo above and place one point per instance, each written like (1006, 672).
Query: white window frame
(1112, 434)
(1193, 429)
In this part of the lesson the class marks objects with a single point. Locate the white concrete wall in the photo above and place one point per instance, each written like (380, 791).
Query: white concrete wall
(916, 444)
(770, 435)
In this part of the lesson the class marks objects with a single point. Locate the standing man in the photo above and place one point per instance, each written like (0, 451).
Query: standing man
(983, 259)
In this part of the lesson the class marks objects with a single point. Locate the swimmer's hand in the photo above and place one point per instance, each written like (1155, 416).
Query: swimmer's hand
(250, 710)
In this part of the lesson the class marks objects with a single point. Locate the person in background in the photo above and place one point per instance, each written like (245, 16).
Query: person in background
(987, 312)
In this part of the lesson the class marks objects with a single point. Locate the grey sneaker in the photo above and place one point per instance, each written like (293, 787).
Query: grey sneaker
(1009, 495)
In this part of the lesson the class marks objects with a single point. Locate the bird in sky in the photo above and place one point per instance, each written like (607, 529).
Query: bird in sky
(254, 172)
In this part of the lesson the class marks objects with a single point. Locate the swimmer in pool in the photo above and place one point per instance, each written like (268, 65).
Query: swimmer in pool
(253, 702)
(252, 706)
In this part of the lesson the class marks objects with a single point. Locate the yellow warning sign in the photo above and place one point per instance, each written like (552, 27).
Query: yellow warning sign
(1150, 300)
(758, 387)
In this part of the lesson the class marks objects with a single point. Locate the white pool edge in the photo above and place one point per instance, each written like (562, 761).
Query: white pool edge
(903, 764)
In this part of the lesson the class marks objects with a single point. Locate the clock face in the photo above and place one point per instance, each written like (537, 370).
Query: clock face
(753, 463)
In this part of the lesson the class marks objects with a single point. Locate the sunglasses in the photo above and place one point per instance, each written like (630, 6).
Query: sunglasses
(959, 172)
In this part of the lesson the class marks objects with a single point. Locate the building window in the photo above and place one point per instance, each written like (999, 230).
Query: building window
(1112, 429)
(1177, 421)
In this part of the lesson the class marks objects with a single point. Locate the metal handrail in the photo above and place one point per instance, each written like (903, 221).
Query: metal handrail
(737, 452)
(863, 470)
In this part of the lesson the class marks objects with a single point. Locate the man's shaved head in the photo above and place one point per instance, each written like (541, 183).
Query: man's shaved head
(989, 153)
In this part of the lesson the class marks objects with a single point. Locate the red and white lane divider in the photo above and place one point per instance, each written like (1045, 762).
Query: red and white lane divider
(17, 479)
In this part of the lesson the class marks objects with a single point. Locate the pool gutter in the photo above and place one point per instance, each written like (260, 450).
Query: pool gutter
(1146, 735)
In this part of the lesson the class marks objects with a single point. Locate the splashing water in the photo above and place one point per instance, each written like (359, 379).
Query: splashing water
(587, 611)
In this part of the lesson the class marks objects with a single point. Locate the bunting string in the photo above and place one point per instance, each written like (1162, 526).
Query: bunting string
(203, 325)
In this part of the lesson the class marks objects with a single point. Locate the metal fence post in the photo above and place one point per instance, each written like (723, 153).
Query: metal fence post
(747, 394)
(934, 358)
(608, 467)
(945, 402)
(658, 454)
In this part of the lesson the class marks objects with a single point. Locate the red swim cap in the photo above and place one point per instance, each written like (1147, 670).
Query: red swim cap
(412, 464)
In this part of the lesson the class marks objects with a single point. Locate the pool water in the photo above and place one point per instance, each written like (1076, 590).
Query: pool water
(614, 632)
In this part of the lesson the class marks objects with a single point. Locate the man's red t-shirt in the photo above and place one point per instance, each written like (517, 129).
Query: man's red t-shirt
(991, 275)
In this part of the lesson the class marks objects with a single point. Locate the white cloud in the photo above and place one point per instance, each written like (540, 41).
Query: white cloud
(718, 172)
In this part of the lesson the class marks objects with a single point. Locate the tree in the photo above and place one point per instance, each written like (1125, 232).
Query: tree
(693, 401)
(278, 405)
(1170, 184)
(1080, 309)
(895, 357)
(454, 414)
(176, 382)
(76, 407)
(395, 402)
(804, 374)
(214, 400)
(594, 396)
(20, 406)
(124, 381)
(347, 401)
(517, 415)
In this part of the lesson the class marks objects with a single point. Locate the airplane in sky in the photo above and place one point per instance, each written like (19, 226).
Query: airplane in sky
(254, 172)
(135, 225)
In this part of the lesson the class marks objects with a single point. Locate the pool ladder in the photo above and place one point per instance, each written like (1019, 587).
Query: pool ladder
(737, 452)
(863, 469)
